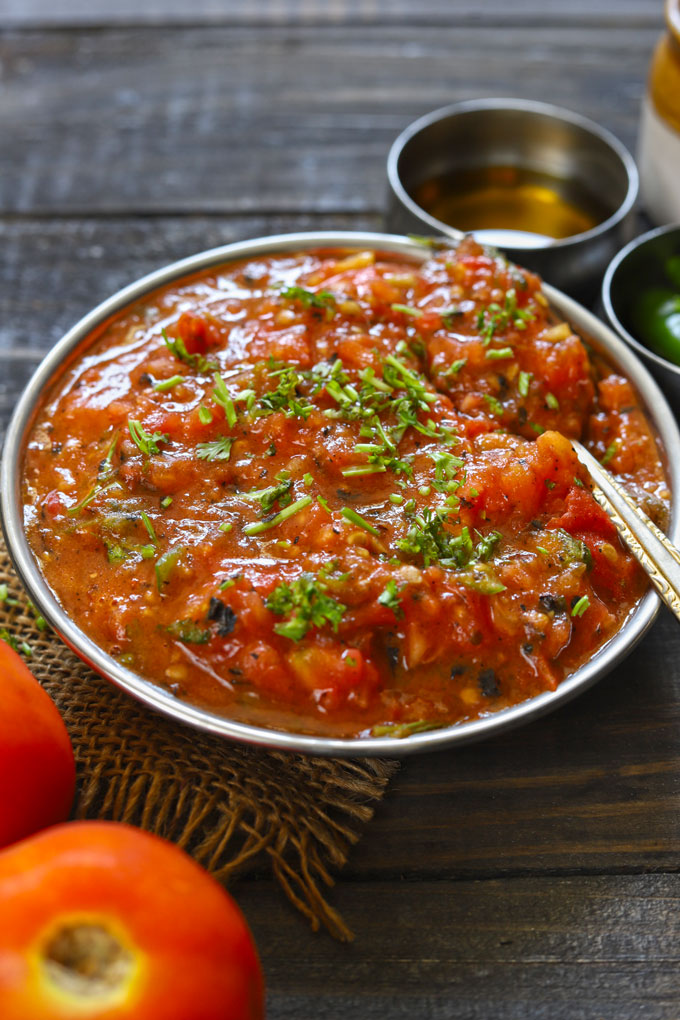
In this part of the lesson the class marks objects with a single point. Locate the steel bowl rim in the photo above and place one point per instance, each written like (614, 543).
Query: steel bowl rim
(610, 311)
(526, 106)
(143, 690)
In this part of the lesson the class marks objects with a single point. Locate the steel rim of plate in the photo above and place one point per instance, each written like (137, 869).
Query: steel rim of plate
(143, 690)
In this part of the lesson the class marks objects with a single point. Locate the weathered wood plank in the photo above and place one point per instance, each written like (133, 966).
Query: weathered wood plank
(593, 786)
(565, 949)
(244, 120)
(295, 12)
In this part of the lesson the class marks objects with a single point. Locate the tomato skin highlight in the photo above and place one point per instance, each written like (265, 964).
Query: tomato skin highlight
(190, 955)
(37, 768)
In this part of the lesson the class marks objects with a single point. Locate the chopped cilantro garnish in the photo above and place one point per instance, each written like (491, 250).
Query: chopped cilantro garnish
(178, 348)
(310, 299)
(354, 518)
(168, 384)
(147, 444)
(480, 579)
(573, 549)
(446, 465)
(306, 599)
(495, 405)
(286, 397)
(87, 499)
(267, 497)
(15, 644)
(283, 515)
(429, 538)
(221, 396)
(165, 565)
(486, 545)
(216, 449)
(494, 318)
(415, 313)
(610, 452)
(40, 621)
(5, 596)
(364, 469)
(149, 526)
(115, 553)
(189, 632)
(455, 366)
(204, 414)
(389, 598)
(368, 376)
(105, 468)
(523, 382)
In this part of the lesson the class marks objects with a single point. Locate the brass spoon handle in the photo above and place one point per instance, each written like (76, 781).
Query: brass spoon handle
(652, 549)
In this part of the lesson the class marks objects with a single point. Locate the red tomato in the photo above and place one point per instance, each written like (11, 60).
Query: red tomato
(102, 921)
(194, 332)
(37, 771)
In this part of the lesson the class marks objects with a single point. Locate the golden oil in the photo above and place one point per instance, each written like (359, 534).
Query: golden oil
(501, 199)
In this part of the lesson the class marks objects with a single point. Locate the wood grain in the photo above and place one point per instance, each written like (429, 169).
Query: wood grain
(530, 877)
(603, 948)
(303, 12)
(591, 787)
(277, 121)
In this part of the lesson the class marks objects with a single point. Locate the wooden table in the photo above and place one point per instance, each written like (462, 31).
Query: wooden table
(535, 875)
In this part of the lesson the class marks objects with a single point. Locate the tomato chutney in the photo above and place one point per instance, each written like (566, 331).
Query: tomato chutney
(333, 491)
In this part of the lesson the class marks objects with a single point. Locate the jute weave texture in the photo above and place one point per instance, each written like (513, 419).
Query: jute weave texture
(230, 807)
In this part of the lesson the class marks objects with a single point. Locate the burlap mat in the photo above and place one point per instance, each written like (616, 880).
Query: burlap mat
(228, 806)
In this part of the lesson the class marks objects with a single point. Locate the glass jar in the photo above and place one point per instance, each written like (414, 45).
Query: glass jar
(659, 142)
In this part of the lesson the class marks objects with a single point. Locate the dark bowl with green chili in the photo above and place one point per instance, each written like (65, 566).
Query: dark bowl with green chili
(641, 299)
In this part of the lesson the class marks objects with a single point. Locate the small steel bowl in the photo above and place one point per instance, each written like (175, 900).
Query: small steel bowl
(155, 697)
(636, 266)
(532, 136)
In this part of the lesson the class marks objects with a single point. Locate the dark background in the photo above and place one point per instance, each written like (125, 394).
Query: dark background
(535, 875)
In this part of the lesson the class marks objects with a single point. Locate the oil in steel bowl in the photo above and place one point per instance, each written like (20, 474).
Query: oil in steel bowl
(49, 371)
(552, 189)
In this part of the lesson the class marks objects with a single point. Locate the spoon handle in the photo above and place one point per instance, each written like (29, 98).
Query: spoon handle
(654, 552)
